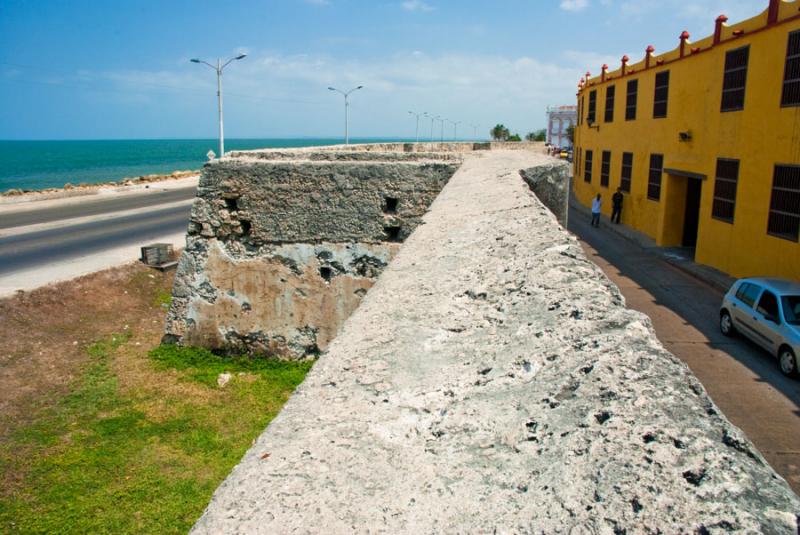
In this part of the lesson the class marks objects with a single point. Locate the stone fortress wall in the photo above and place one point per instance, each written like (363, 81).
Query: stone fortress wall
(492, 380)
(283, 244)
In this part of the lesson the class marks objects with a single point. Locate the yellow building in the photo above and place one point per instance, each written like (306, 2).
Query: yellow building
(704, 141)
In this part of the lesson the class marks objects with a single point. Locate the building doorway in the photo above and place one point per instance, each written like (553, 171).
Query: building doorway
(681, 217)
(691, 214)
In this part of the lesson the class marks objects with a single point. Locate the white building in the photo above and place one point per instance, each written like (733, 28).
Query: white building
(559, 119)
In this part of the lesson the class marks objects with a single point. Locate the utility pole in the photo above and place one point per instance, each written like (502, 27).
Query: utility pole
(218, 68)
(346, 106)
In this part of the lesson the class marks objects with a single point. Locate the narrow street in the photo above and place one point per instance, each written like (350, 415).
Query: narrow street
(743, 380)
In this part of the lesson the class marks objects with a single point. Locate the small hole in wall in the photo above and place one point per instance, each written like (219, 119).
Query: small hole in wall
(390, 206)
(392, 233)
(326, 273)
(232, 205)
(246, 227)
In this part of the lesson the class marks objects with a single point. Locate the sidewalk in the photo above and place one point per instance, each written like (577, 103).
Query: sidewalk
(679, 257)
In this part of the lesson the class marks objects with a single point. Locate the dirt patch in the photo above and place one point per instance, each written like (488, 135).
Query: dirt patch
(45, 333)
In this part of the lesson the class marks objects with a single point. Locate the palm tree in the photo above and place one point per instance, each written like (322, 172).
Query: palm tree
(539, 135)
(499, 133)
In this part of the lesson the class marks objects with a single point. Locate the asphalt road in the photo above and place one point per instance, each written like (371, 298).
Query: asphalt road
(89, 206)
(743, 380)
(50, 246)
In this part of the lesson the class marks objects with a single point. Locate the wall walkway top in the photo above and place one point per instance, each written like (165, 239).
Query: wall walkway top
(493, 381)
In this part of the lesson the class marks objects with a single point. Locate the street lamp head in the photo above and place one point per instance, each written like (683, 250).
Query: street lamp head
(331, 89)
(194, 60)
(241, 56)
(360, 87)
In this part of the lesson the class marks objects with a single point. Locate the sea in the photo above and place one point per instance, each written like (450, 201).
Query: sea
(36, 165)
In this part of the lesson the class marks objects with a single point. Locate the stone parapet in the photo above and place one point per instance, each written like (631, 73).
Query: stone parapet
(493, 381)
(282, 245)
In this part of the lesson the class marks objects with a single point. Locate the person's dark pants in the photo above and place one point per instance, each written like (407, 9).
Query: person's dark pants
(595, 220)
(616, 213)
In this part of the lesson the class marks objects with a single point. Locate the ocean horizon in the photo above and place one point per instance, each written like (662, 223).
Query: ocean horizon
(42, 164)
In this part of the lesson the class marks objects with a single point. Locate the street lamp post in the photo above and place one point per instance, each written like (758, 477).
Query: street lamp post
(442, 119)
(346, 107)
(417, 115)
(218, 68)
(455, 128)
(432, 118)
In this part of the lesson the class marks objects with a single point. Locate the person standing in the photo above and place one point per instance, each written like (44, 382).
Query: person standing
(616, 212)
(596, 205)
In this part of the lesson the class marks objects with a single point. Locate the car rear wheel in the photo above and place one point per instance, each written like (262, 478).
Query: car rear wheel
(787, 361)
(726, 324)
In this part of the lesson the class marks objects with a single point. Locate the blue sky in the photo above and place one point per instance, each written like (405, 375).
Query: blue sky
(83, 69)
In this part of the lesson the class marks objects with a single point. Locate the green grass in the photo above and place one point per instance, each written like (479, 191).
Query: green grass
(138, 448)
(162, 298)
(203, 366)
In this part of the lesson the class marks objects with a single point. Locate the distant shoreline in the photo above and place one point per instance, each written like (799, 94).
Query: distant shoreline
(45, 166)
(76, 190)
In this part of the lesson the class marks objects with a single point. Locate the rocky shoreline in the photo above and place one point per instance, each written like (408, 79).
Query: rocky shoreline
(86, 188)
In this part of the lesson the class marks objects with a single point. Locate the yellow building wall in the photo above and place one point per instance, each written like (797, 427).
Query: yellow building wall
(760, 136)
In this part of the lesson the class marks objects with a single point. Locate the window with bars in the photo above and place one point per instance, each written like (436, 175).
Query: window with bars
(609, 113)
(580, 111)
(627, 172)
(605, 168)
(654, 178)
(591, 116)
(784, 207)
(725, 190)
(630, 100)
(735, 79)
(661, 95)
(791, 73)
(587, 167)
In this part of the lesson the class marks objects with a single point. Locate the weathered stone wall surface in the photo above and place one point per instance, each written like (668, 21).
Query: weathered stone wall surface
(493, 381)
(433, 147)
(283, 245)
(350, 154)
(285, 202)
(450, 146)
(550, 183)
(276, 302)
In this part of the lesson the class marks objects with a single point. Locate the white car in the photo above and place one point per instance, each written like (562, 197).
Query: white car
(767, 311)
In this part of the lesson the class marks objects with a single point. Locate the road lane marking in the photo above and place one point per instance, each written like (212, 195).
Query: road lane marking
(61, 223)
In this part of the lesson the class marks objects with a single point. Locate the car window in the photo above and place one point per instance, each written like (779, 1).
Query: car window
(791, 309)
(748, 293)
(742, 289)
(768, 304)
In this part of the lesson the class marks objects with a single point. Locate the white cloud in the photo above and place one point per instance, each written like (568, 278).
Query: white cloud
(574, 5)
(286, 94)
(416, 5)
